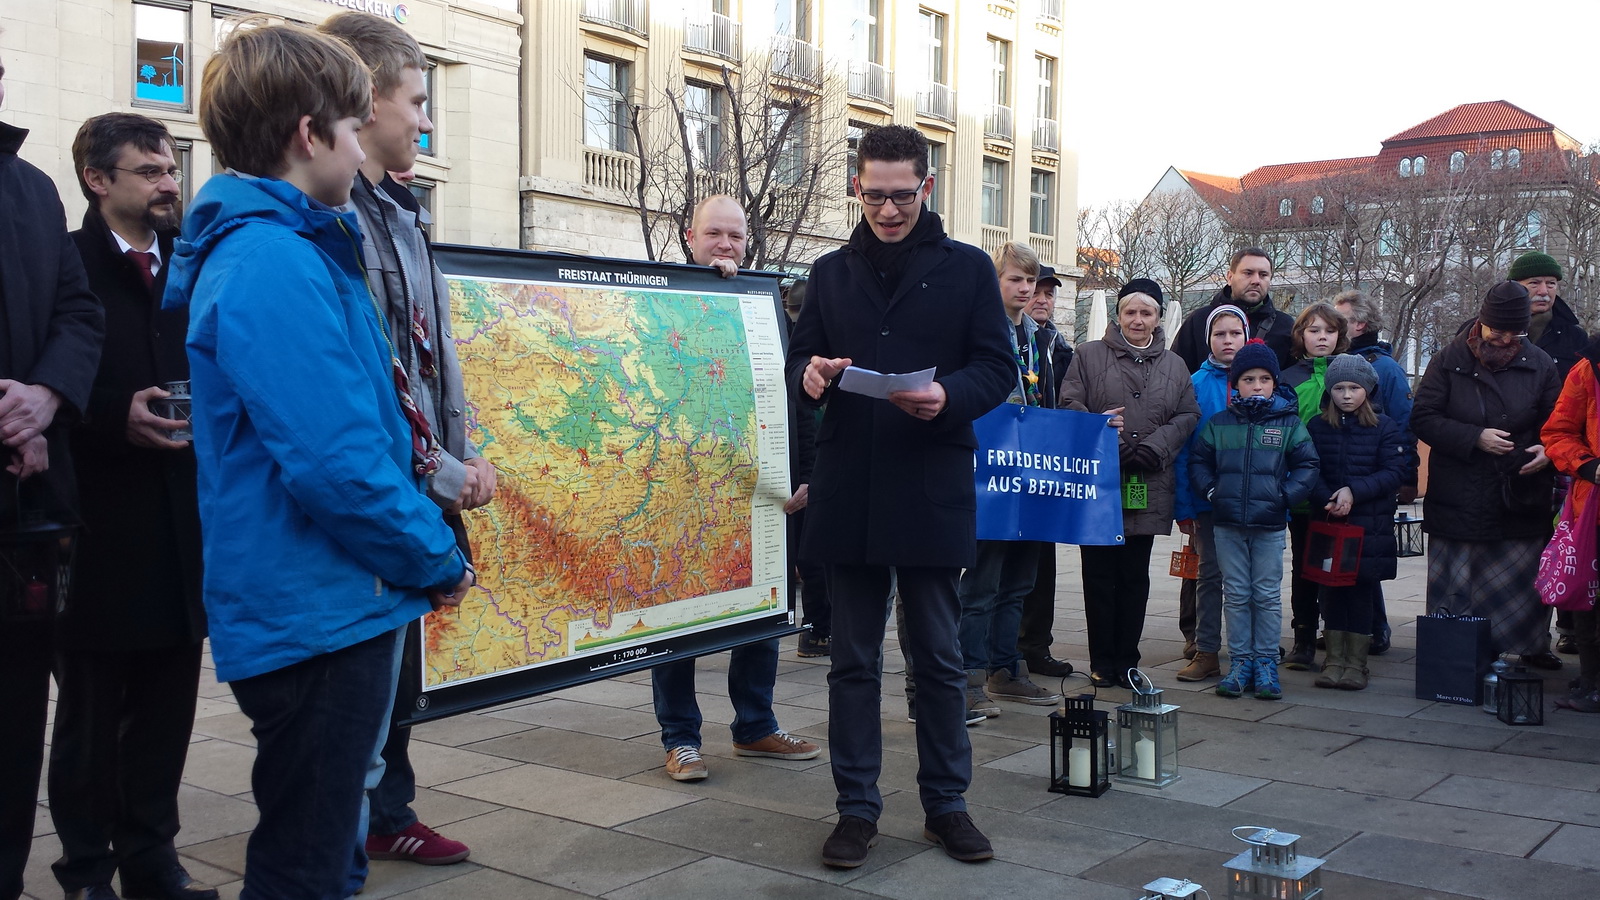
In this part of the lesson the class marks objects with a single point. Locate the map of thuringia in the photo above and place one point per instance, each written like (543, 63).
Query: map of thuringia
(627, 427)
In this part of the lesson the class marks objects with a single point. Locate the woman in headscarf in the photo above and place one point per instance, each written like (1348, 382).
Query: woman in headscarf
(1131, 376)
(1490, 502)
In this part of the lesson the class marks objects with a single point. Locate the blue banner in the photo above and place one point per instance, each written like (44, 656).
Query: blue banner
(1047, 475)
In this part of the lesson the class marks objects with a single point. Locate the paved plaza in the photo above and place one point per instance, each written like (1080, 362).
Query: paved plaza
(564, 796)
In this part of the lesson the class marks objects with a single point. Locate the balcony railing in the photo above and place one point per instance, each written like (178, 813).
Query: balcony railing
(1045, 246)
(871, 81)
(610, 170)
(796, 60)
(629, 15)
(718, 36)
(992, 237)
(998, 124)
(1050, 10)
(1046, 135)
(937, 100)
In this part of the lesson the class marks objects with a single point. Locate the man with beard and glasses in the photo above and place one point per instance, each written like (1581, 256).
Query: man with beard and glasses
(47, 362)
(1489, 508)
(128, 659)
(892, 492)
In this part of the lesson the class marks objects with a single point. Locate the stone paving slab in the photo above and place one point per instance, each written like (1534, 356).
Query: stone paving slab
(726, 879)
(488, 884)
(570, 795)
(1191, 824)
(584, 717)
(795, 792)
(1374, 753)
(1358, 723)
(458, 731)
(1560, 804)
(1572, 845)
(932, 871)
(1467, 872)
(576, 751)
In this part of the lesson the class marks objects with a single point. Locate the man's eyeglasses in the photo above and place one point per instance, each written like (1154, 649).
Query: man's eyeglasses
(900, 198)
(153, 174)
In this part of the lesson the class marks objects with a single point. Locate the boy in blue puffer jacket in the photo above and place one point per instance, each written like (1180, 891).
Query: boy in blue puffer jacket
(1252, 463)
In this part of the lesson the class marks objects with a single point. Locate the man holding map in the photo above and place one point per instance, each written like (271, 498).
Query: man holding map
(717, 235)
(892, 489)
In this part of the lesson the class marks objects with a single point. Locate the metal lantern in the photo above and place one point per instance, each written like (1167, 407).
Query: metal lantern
(1147, 736)
(1171, 889)
(1491, 686)
(1271, 869)
(1079, 738)
(1519, 698)
(1408, 539)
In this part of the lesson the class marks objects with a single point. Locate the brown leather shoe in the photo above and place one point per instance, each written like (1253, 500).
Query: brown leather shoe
(1203, 666)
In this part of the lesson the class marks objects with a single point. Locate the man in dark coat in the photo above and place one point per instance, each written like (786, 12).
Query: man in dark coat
(128, 662)
(47, 362)
(892, 490)
(1249, 284)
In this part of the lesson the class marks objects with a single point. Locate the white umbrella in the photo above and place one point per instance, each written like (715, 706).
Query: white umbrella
(1172, 321)
(1097, 316)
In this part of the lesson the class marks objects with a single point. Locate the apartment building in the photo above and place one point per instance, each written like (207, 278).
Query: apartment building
(68, 60)
(985, 81)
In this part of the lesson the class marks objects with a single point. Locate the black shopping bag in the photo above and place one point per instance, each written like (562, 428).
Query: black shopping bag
(1453, 655)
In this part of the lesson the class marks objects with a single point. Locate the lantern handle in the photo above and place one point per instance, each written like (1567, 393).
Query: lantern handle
(1254, 829)
(1140, 682)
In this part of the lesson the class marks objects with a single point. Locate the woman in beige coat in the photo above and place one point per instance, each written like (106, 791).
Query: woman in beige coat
(1131, 376)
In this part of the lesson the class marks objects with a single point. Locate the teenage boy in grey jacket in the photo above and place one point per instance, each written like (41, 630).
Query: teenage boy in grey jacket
(414, 296)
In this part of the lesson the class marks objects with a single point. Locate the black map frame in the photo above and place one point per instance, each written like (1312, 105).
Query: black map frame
(413, 705)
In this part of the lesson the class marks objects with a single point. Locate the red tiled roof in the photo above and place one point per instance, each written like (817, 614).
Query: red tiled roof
(1473, 119)
(1215, 190)
(1303, 171)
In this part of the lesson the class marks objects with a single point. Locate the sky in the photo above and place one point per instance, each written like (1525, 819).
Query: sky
(1225, 87)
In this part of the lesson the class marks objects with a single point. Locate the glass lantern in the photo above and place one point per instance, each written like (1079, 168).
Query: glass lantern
(1408, 538)
(1172, 889)
(1519, 697)
(1272, 869)
(1079, 738)
(1147, 736)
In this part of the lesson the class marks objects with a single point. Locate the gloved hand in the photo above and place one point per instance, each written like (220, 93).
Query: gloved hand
(1408, 494)
(1125, 455)
(1145, 458)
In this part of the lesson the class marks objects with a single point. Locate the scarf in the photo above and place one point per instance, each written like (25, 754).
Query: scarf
(1494, 358)
(890, 260)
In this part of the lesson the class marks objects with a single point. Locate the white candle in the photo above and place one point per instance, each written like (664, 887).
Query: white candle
(1145, 750)
(1078, 767)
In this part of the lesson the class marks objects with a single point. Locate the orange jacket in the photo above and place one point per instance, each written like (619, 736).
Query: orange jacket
(1572, 433)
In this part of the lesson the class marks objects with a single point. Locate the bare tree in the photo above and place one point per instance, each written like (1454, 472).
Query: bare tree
(1187, 243)
(1569, 207)
(767, 135)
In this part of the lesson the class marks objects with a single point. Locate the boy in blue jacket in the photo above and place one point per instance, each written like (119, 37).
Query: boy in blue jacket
(319, 541)
(1253, 462)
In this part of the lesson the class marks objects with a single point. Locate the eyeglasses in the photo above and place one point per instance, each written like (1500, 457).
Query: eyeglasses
(900, 198)
(153, 174)
(1496, 334)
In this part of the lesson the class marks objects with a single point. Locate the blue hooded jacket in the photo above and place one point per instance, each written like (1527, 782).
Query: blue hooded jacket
(1211, 390)
(317, 533)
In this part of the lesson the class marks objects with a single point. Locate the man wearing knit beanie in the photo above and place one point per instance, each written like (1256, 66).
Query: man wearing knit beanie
(1554, 327)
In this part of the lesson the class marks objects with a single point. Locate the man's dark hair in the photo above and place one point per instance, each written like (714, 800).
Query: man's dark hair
(1233, 262)
(894, 143)
(100, 140)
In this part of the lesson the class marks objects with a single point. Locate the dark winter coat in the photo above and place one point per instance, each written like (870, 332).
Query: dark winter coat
(1563, 339)
(1055, 357)
(890, 489)
(1371, 461)
(137, 581)
(1267, 322)
(53, 325)
(1159, 411)
(1254, 464)
(1394, 398)
(1468, 489)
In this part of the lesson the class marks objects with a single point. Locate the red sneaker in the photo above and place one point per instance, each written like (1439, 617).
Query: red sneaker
(418, 843)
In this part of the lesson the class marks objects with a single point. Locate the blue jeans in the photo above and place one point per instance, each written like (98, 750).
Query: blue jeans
(752, 670)
(316, 724)
(1208, 588)
(378, 777)
(1252, 582)
(991, 595)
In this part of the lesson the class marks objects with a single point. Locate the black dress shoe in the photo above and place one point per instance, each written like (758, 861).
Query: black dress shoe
(959, 837)
(93, 892)
(1102, 680)
(1542, 660)
(1566, 644)
(1049, 666)
(171, 884)
(847, 847)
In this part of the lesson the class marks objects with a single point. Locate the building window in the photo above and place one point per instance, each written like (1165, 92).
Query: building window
(161, 55)
(430, 83)
(1532, 230)
(1405, 167)
(999, 72)
(866, 46)
(1458, 161)
(852, 139)
(1388, 240)
(702, 124)
(605, 107)
(793, 18)
(936, 158)
(789, 160)
(1317, 206)
(1497, 159)
(994, 192)
(1312, 253)
(183, 157)
(1514, 158)
(1286, 207)
(1044, 104)
(1419, 166)
(933, 30)
(1041, 202)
